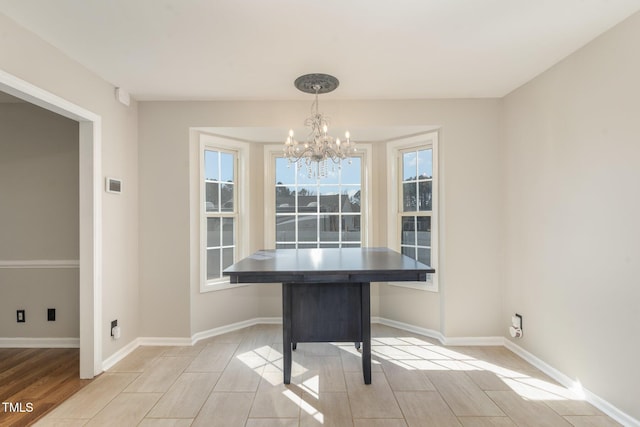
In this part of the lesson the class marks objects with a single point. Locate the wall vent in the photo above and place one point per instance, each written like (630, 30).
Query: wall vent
(113, 185)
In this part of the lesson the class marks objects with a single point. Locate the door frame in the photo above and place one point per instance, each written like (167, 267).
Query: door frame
(90, 165)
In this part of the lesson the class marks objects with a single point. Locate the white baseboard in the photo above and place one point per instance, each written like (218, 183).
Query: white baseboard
(120, 354)
(179, 341)
(470, 341)
(21, 342)
(234, 327)
(596, 401)
(409, 328)
(166, 341)
(601, 404)
(610, 410)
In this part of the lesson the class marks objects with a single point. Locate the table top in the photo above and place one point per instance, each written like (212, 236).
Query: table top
(327, 265)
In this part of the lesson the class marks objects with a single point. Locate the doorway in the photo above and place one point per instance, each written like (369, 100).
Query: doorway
(90, 259)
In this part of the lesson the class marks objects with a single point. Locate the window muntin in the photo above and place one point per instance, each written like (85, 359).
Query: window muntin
(416, 238)
(416, 171)
(219, 181)
(413, 209)
(312, 213)
(220, 211)
(417, 179)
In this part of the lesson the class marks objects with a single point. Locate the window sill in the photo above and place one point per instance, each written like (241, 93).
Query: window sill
(421, 286)
(219, 286)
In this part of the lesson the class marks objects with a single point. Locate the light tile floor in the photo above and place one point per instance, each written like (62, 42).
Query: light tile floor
(236, 380)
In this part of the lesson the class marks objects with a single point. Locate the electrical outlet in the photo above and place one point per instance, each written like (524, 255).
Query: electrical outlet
(515, 330)
(20, 316)
(51, 314)
(114, 323)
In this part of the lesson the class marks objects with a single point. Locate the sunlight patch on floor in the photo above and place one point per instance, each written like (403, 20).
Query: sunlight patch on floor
(415, 354)
(305, 406)
(409, 353)
(312, 385)
(266, 360)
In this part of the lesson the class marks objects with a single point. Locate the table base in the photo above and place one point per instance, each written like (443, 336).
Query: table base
(326, 312)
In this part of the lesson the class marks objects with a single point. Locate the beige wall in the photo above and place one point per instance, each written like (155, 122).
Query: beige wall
(472, 191)
(39, 220)
(541, 219)
(538, 194)
(36, 290)
(38, 183)
(29, 58)
(572, 144)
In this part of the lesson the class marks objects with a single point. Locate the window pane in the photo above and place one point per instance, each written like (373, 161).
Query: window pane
(308, 228)
(416, 177)
(425, 164)
(351, 228)
(303, 176)
(424, 256)
(213, 232)
(307, 199)
(425, 195)
(409, 251)
(226, 197)
(285, 199)
(211, 203)
(424, 230)
(220, 194)
(211, 171)
(307, 245)
(350, 222)
(226, 167)
(351, 236)
(351, 198)
(227, 257)
(286, 228)
(329, 199)
(408, 230)
(213, 264)
(285, 172)
(227, 232)
(329, 228)
(333, 174)
(409, 166)
(409, 197)
(285, 246)
(351, 173)
(315, 205)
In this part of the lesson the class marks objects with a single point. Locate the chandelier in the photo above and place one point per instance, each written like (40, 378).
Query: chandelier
(321, 150)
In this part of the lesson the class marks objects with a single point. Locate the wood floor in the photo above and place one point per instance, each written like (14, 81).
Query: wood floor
(236, 380)
(33, 381)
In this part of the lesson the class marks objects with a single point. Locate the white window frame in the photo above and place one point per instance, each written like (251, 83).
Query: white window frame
(395, 149)
(241, 204)
(271, 151)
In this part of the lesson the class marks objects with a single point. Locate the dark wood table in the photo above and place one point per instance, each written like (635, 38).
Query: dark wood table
(326, 292)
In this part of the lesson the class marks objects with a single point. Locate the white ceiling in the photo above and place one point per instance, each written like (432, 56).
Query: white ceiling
(378, 49)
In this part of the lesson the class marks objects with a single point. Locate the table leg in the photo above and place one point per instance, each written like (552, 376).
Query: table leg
(366, 332)
(286, 331)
